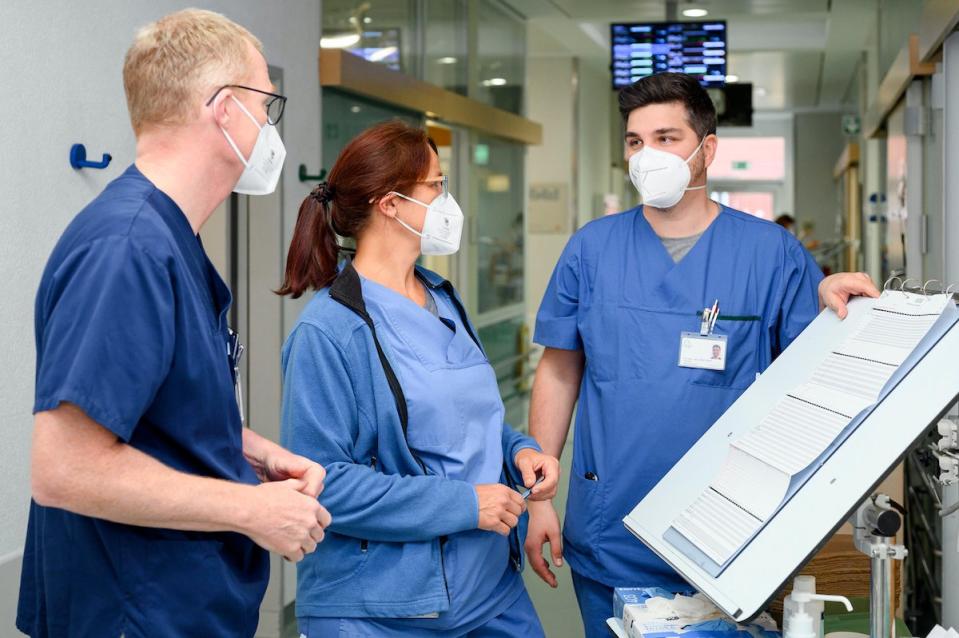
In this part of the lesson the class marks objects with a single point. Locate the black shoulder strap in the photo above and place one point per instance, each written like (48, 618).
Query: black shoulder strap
(347, 290)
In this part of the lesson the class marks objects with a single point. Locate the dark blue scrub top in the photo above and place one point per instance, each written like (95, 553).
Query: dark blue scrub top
(617, 296)
(131, 327)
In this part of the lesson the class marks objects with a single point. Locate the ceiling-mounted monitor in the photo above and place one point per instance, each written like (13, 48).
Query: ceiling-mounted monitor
(381, 46)
(734, 104)
(644, 48)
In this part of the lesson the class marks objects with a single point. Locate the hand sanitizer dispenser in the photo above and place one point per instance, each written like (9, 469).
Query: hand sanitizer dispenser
(800, 623)
(805, 584)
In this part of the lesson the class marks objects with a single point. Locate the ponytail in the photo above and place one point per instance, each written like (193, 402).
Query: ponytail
(387, 157)
(314, 251)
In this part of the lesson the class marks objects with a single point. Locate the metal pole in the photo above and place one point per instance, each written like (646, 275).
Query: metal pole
(882, 621)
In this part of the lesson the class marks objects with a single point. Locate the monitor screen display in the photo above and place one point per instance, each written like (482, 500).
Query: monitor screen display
(381, 46)
(734, 104)
(642, 49)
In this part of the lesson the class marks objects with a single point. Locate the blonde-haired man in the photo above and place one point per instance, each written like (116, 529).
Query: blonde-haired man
(152, 504)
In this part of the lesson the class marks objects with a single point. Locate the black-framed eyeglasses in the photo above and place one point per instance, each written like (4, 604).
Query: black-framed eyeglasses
(274, 106)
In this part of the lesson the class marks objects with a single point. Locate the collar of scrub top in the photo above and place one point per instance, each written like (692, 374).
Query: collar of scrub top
(669, 282)
(347, 289)
(217, 298)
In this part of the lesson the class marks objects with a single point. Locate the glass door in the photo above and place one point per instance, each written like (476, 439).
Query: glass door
(345, 116)
(495, 260)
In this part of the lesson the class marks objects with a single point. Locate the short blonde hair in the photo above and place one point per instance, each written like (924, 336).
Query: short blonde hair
(177, 60)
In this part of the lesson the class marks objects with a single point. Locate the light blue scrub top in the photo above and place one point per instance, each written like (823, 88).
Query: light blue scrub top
(455, 427)
(617, 295)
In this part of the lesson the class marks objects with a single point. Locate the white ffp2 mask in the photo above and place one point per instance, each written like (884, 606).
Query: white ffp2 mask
(442, 226)
(660, 177)
(262, 170)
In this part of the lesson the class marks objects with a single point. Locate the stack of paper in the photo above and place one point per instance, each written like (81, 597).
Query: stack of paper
(766, 466)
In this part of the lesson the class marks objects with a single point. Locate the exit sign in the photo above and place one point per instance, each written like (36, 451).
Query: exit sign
(741, 166)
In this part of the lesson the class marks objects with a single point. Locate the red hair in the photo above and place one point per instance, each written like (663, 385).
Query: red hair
(391, 156)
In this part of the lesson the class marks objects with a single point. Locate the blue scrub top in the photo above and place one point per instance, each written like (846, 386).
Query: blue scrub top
(455, 427)
(131, 327)
(617, 295)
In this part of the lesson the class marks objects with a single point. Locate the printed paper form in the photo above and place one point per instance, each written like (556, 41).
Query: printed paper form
(896, 325)
(744, 494)
(755, 479)
(800, 428)
(716, 525)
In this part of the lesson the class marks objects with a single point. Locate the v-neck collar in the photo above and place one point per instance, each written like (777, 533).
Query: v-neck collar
(217, 295)
(438, 342)
(670, 281)
(666, 259)
(385, 294)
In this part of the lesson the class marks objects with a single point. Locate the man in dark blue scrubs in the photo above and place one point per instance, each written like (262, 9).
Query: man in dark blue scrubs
(621, 322)
(153, 506)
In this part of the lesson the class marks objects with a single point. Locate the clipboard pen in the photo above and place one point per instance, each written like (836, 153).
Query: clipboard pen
(529, 491)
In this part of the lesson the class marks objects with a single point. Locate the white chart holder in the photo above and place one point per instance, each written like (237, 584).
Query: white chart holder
(800, 529)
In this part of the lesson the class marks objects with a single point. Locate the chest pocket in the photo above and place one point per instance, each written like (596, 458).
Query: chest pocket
(634, 343)
(743, 341)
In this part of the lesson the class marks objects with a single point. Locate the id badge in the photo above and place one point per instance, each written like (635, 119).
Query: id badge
(704, 352)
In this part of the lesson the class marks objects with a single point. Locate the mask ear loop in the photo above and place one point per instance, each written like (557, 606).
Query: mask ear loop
(236, 149)
(698, 148)
(400, 221)
(687, 160)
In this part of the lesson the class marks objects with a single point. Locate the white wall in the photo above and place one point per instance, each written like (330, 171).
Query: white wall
(571, 98)
(551, 102)
(61, 78)
(596, 116)
(818, 143)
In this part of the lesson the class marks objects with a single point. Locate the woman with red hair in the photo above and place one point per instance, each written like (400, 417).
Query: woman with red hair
(388, 387)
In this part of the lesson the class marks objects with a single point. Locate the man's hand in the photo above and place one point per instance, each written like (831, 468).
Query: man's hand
(80, 466)
(531, 464)
(274, 463)
(835, 290)
(544, 528)
(282, 518)
(283, 465)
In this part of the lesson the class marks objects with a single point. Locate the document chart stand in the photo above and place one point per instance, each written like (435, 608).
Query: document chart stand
(833, 493)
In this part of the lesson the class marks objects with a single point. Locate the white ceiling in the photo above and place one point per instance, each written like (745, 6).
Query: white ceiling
(802, 54)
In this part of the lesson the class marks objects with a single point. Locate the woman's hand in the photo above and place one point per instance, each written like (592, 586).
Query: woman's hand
(499, 508)
(531, 464)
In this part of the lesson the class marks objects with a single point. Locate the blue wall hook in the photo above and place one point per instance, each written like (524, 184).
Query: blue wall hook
(78, 158)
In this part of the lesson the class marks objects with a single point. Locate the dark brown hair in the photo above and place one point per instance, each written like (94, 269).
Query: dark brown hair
(663, 88)
(392, 156)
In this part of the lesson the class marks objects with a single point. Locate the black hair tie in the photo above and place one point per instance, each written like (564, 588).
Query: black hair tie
(322, 193)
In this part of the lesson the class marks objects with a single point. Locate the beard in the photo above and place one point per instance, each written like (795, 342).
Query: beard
(697, 170)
